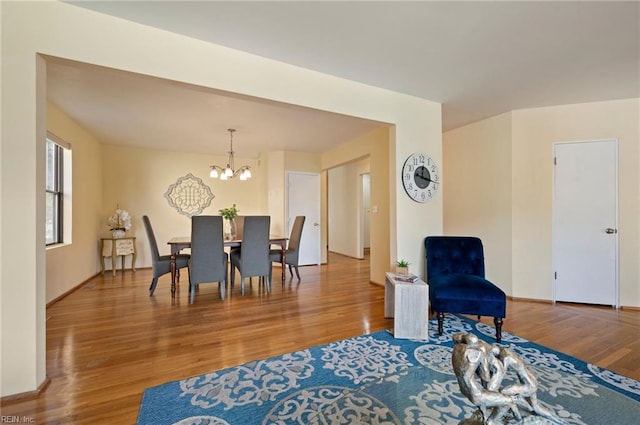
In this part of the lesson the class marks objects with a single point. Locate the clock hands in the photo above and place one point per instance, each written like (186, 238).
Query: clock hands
(421, 173)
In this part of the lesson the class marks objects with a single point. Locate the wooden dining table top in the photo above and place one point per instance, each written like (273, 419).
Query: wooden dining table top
(185, 241)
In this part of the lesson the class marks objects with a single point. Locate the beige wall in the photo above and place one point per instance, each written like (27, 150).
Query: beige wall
(63, 30)
(477, 197)
(278, 164)
(345, 204)
(534, 132)
(137, 179)
(528, 136)
(375, 146)
(72, 263)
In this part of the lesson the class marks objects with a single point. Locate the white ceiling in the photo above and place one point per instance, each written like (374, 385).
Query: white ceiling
(478, 59)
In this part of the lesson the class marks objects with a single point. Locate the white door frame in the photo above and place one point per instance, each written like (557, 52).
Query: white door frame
(616, 219)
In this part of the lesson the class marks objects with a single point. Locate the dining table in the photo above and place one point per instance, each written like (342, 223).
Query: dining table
(178, 243)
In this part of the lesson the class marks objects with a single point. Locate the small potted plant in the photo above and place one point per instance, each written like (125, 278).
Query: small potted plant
(402, 267)
(229, 215)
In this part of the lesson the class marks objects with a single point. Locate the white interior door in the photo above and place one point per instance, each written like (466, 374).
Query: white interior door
(585, 222)
(303, 198)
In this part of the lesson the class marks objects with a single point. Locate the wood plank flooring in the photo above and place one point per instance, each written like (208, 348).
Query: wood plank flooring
(108, 340)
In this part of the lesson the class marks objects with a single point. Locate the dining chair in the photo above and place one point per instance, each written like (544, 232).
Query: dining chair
(455, 275)
(291, 256)
(252, 259)
(161, 264)
(208, 262)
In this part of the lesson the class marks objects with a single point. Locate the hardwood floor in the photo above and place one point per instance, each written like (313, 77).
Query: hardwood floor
(108, 340)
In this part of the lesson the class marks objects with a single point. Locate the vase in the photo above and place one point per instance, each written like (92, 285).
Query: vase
(402, 270)
(230, 231)
(117, 233)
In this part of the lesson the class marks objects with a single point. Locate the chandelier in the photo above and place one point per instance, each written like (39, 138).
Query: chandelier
(229, 171)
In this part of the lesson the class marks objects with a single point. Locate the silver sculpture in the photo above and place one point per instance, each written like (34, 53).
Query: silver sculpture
(480, 369)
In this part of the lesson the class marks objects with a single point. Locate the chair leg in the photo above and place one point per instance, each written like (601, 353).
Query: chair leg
(192, 293)
(233, 276)
(268, 283)
(498, 322)
(221, 286)
(297, 272)
(290, 270)
(440, 316)
(152, 288)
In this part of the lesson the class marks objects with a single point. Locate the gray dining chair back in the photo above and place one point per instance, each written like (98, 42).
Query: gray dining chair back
(293, 249)
(252, 259)
(208, 261)
(161, 264)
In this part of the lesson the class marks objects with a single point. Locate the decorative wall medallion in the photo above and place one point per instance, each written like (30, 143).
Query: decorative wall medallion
(189, 195)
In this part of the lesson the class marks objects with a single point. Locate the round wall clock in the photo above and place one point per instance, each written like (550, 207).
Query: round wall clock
(420, 177)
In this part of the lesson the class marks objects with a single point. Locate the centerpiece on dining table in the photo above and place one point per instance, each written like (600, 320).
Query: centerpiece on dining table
(229, 215)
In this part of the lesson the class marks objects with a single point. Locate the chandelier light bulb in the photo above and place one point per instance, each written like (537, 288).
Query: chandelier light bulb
(214, 173)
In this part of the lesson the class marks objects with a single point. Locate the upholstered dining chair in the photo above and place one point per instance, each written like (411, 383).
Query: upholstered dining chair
(252, 259)
(291, 253)
(161, 264)
(455, 275)
(208, 262)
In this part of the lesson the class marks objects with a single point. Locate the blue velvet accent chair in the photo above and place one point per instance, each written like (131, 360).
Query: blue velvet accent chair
(455, 274)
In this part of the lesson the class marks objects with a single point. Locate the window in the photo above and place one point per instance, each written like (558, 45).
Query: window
(54, 193)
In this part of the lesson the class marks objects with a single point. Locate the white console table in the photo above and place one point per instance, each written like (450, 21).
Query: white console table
(408, 304)
(115, 247)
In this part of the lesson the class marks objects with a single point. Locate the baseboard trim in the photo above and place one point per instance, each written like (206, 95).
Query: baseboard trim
(536, 300)
(533, 300)
(70, 291)
(346, 256)
(26, 395)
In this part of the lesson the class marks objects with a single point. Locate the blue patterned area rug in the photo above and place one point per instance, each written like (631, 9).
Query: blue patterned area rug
(377, 379)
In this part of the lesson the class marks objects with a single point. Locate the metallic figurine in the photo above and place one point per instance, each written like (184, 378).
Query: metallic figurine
(480, 369)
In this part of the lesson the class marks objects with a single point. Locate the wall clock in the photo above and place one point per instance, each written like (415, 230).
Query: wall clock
(420, 177)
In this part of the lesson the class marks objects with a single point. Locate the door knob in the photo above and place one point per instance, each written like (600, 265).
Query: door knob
(610, 231)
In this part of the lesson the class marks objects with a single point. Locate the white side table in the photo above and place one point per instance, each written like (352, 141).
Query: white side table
(408, 304)
(115, 247)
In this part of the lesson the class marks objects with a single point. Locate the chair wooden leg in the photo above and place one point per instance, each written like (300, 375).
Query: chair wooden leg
(498, 322)
(297, 272)
(233, 277)
(221, 286)
(440, 322)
